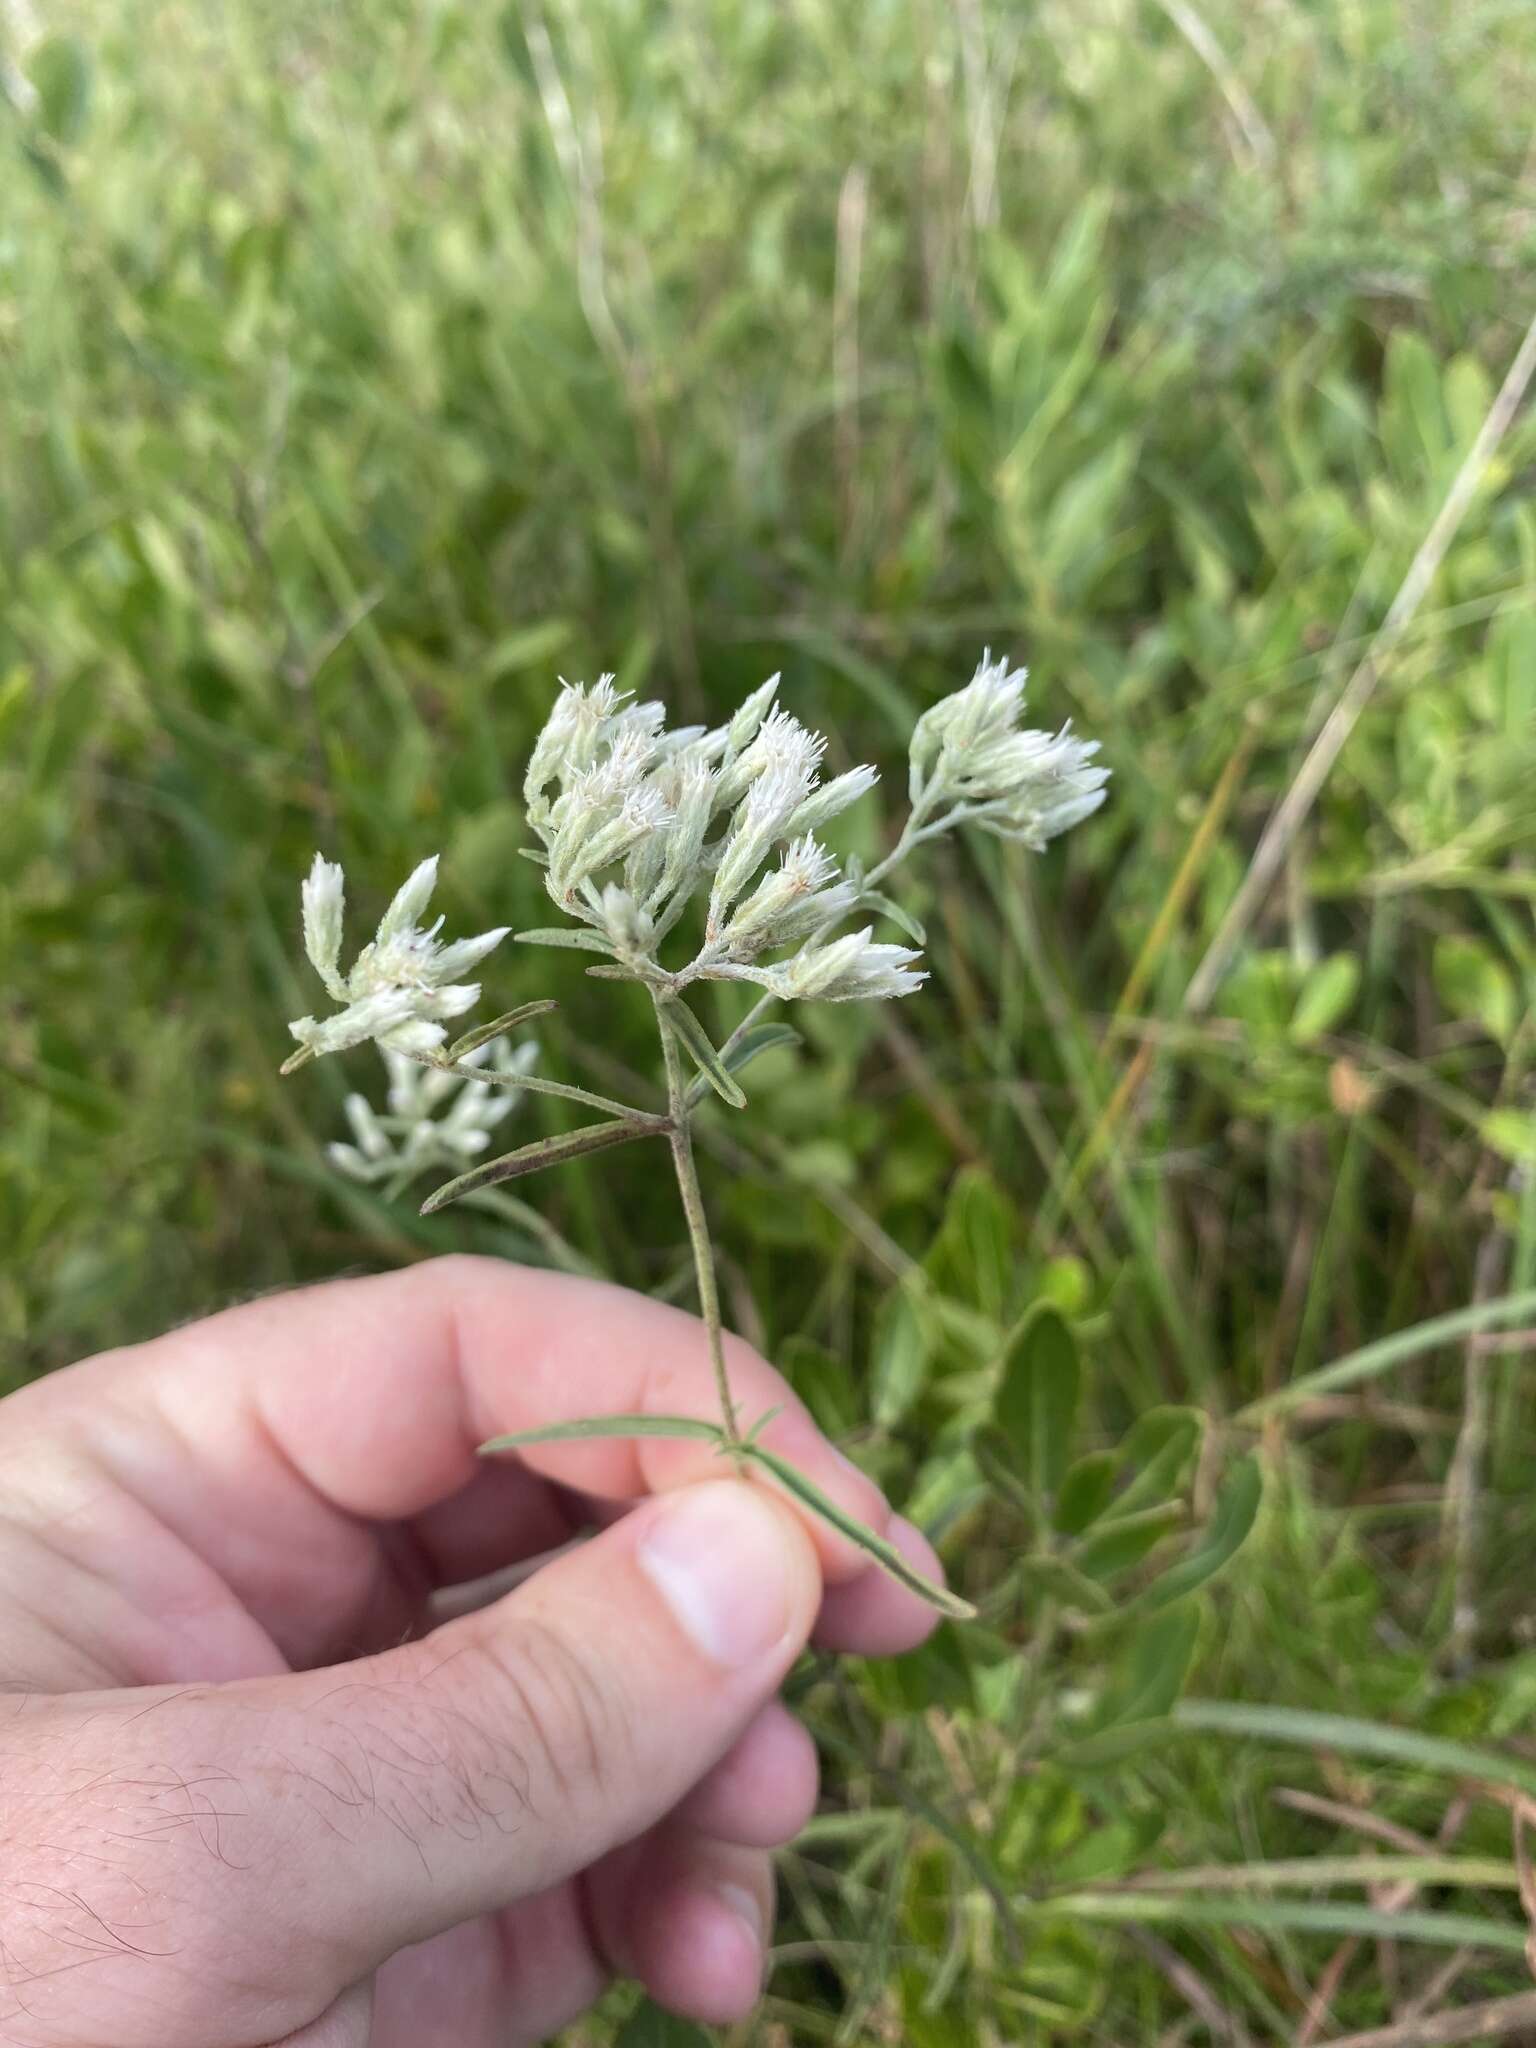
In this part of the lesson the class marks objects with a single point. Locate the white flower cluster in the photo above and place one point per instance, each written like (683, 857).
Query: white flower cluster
(636, 822)
(703, 812)
(432, 1118)
(969, 755)
(402, 986)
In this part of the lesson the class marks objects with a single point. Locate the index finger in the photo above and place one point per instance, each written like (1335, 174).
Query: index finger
(374, 1394)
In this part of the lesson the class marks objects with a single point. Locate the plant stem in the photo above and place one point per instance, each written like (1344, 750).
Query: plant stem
(680, 1138)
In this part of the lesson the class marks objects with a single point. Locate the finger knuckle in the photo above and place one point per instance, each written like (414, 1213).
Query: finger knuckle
(558, 1714)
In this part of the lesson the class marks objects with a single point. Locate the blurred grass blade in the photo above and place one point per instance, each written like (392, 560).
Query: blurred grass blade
(1286, 1916)
(541, 1153)
(1301, 1728)
(594, 1426)
(1372, 1360)
(885, 1554)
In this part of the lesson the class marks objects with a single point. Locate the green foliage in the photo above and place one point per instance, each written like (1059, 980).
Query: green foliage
(319, 455)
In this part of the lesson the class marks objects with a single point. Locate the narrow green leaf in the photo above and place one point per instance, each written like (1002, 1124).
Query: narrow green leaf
(695, 1041)
(904, 921)
(541, 1153)
(1237, 1504)
(536, 854)
(760, 1039)
(594, 1426)
(575, 937)
(885, 1554)
(1036, 1399)
(508, 1021)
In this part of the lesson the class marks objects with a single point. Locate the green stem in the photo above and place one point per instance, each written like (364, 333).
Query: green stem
(681, 1140)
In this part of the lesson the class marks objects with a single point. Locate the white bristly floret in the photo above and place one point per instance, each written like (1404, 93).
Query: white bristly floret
(798, 897)
(401, 989)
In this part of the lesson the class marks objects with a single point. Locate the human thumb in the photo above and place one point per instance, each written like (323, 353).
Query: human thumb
(356, 1810)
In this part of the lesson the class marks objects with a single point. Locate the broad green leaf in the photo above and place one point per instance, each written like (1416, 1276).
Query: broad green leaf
(1153, 1668)
(574, 937)
(1086, 1491)
(1159, 1447)
(541, 1153)
(695, 1041)
(996, 1460)
(1327, 996)
(1036, 1400)
(648, 2026)
(885, 1554)
(1056, 1578)
(1117, 1544)
(594, 1426)
(1511, 1133)
(1237, 1505)
(1476, 985)
(60, 68)
(760, 1039)
(936, 1674)
(899, 1363)
(508, 1021)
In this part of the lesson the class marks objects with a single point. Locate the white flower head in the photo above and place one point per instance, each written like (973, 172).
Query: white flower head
(968, 752)
(402, 987)
(799, 897)
(762, 818)
(571, 737)
(850, 969)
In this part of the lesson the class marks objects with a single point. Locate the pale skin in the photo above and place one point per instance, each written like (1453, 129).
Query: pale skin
(253, 1792)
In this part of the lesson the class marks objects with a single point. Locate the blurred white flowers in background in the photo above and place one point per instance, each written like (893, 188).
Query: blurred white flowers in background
(433, 1117)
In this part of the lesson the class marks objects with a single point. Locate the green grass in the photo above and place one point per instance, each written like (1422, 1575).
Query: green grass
(896, 330)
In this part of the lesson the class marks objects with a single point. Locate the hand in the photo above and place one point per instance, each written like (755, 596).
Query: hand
(251, 1794)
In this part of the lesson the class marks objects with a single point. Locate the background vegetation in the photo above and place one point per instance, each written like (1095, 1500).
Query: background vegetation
(364, 365)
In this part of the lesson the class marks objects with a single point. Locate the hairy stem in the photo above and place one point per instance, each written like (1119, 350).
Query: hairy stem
(680, 1138)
